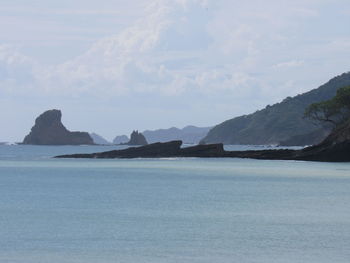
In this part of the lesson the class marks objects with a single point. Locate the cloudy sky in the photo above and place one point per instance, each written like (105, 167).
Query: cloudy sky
(115, 65)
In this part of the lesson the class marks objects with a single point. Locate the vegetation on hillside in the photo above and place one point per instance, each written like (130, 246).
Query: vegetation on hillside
(334, 111)
(280, 122)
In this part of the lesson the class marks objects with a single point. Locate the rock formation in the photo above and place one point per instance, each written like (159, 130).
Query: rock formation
(49, 130)
(137, 138)
(157, 150)
(335, 148)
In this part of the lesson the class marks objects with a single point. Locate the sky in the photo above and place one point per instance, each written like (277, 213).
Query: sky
(112, 66)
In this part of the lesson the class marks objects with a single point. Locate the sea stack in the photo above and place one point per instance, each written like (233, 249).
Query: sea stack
(137, 138)
(49, 130)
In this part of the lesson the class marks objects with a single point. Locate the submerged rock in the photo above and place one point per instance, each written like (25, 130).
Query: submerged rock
(49, 130)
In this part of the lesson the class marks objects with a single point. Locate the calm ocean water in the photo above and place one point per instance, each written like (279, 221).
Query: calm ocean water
(170, 210)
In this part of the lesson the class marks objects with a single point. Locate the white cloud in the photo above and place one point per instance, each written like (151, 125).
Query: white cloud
(190, 46)
(289, 64)
(16, 70)
(135, 59)
(176, 61)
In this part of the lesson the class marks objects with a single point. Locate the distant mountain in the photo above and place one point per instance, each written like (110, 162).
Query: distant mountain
(120, 139)
(281, 122)
(49, 130)
(189, 134)
(98, 139)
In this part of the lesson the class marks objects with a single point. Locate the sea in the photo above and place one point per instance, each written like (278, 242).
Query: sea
(171, 210)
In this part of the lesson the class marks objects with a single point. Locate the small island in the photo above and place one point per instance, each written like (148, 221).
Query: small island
(137, 138)
(49, 130)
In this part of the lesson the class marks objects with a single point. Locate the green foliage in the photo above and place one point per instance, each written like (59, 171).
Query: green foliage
(335, 110)
(343, 97)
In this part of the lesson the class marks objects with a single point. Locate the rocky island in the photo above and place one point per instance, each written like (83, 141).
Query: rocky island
(49, 130)
(137, 138)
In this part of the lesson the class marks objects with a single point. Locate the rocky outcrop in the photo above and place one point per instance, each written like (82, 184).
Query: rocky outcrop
(148, 151)
(335, 148)
(137, 138)
(158, 150)
(49, 130)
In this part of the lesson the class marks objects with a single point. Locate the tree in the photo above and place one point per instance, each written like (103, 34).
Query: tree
(334, 111)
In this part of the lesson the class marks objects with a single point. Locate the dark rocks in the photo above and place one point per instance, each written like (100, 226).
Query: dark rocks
(137, 138)
(49, 130)
(335, 148)
(148, 151)
(158, 150)
(173, 149)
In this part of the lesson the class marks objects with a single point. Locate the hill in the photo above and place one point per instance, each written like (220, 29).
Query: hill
(98, 139)
(120, 139)
(189, 134)
(281, 122)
